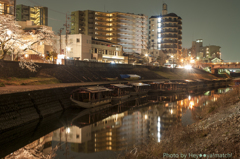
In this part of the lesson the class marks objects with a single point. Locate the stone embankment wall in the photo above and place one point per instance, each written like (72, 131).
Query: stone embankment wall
(20, 108)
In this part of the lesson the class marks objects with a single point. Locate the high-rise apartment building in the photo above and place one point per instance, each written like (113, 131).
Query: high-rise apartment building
(7, 7)
(165, 33)
(126, 29)
(39, 15)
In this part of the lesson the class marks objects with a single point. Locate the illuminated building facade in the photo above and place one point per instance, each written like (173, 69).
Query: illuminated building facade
(107, 52)
(39, 15)
(78, 46)
(205, 53)
(126, 29)
(7, 7)
(165, 33)
(83, 47)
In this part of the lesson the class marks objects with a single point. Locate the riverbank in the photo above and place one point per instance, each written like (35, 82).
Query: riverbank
(216, 132)
(176, 74)
(13, 81)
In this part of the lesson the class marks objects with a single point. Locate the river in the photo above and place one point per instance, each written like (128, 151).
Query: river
(105, 132)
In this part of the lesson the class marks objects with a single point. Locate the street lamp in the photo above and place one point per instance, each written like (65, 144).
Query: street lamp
(147, 57)
(172, 60)
(67, 50)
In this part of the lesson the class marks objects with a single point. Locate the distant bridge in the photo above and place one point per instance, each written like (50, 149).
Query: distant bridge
(214, 67)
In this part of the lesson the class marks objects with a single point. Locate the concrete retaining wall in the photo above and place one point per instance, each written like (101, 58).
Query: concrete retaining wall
(25, 107)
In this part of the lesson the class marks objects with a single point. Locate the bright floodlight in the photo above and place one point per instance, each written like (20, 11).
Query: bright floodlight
(68, 48)
(192, 61)
(146, 55)
(67, 130)
(188, 67)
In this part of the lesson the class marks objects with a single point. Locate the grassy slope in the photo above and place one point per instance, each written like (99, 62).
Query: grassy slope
(27, 81)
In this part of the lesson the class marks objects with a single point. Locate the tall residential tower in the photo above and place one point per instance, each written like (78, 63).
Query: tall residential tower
(7, 7)
(126, 29)
(165, 33)
(39, 15)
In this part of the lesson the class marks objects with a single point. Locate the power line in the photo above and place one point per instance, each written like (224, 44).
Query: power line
(48, 7)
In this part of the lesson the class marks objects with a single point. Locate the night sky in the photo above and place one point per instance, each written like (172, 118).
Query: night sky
(217, 22)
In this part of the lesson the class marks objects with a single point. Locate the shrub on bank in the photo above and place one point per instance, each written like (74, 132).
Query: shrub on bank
(2, 84)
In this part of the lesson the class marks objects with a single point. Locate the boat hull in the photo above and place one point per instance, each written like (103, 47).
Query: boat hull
(90, 104)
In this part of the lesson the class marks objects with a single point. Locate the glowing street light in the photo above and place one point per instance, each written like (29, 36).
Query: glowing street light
(192, 61)
(67, 130)
(147, 57)
(68, 48)
(188, 67)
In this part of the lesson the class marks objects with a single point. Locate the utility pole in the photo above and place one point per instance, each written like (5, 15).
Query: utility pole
(67, 31)
(60, 33)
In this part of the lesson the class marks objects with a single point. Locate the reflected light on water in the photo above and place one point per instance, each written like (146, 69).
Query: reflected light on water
(114, 127)
(191, 104)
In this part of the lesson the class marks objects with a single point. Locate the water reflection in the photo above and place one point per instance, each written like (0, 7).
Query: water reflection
(106, 131)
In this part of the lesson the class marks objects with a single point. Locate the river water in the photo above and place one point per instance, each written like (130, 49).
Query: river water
(105, 132)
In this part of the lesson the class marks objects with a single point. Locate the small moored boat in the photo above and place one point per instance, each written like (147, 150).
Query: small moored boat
(140, 88)
(89, 97)
(120, 92)
(130, 76)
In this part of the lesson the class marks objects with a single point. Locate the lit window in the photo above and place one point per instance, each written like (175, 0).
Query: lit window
(159, 19)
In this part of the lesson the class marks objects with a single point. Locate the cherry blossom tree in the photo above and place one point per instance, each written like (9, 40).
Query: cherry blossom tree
(14, 41)
(10, 32)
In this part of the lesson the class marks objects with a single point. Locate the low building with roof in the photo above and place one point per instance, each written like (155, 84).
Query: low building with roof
(85, 48)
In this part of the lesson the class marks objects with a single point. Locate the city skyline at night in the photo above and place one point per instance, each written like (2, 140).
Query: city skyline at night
(213, 21)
